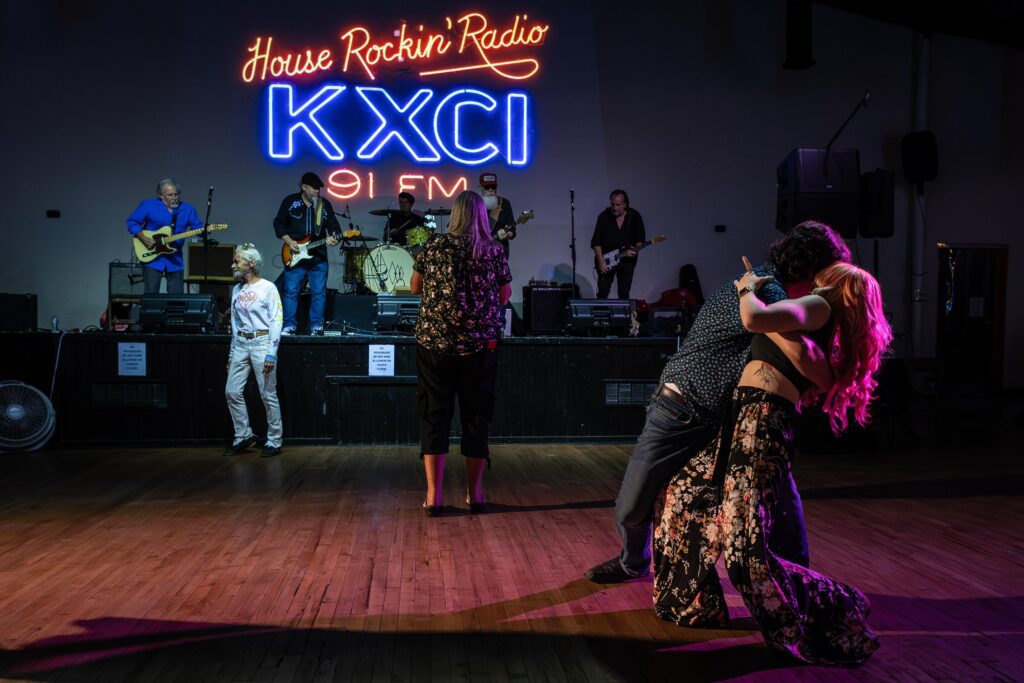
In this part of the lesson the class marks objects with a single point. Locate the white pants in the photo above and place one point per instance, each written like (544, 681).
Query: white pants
(246, 354)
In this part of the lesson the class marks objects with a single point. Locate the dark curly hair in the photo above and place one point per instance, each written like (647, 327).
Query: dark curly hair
(805, 250)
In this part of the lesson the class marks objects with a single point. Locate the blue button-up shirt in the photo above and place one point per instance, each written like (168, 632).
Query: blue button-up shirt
(153, 214)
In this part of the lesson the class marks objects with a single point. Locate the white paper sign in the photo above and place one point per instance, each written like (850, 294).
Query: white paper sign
(131, 359)
(382, 360)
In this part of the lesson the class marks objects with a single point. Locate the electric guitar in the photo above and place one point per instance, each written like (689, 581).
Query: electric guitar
(290, 256)
(613, 258)
(508, 232)
(163, 237)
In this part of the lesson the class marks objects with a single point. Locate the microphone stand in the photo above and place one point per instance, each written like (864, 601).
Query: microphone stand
(572, 240)
(206, 239)
(828, 148)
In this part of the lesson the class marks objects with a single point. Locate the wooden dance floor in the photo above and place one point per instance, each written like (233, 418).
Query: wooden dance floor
(318, 565)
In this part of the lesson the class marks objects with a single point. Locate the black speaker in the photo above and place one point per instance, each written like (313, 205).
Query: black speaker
(920, 157)
(304, 301)
(799, 35)
(124, 280)
(352, 313)
(599, 317)
(397, 313)
(544, 308)
(19, 312)
(877, 198)
(179, 313)
(808, 190)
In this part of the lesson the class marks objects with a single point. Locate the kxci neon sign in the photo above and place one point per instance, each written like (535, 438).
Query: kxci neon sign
(331, 103)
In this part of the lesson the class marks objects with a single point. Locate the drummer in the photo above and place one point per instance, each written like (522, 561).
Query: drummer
(403, 220)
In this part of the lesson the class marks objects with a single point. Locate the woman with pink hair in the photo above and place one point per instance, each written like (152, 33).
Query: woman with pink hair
(723, 501)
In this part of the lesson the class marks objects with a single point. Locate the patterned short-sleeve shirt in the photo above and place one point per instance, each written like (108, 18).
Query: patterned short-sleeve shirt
(716, 349)
(460, 310)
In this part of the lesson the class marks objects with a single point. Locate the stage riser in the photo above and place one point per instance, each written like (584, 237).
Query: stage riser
(548, 389)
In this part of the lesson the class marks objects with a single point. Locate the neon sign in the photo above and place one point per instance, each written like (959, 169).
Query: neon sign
(478, 45)
(345, 184)
(467, 126)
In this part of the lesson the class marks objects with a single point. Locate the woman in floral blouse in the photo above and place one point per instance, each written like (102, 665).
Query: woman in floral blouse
(464, 280)
(723, 500)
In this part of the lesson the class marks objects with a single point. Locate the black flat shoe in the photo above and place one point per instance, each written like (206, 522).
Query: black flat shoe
(476, 508)
(433, 510)
(241, 446)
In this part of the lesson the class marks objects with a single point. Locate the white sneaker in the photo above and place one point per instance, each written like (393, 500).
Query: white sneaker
(288, 331)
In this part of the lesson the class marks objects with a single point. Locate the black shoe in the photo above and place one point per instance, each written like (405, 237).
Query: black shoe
(240, 447)
(433, 510)
(270, 451)
(476, 508)
(610, 572)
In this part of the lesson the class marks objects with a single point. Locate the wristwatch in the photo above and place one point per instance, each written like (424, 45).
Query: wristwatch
(746, 290)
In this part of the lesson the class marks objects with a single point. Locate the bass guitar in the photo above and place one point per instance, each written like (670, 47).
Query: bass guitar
(508, 232)
(613, 258)
(162, 239)
(290, 257)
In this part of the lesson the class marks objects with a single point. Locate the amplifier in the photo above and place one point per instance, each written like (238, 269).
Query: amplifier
(125, 280)
(218, 262)
(544, 308)
(182, 313)
(19, 313)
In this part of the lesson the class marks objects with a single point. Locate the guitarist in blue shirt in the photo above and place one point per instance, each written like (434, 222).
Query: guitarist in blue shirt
(153, 214)
(618, 228)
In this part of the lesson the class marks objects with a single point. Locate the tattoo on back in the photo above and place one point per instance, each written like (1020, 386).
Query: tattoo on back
(768, 376)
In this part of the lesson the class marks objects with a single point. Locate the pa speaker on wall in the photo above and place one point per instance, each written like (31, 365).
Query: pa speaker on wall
(877, 193)
(920, 157)
(821, 185)
(181, 313)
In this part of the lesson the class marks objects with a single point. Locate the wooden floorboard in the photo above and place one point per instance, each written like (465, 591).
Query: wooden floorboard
(319, 565)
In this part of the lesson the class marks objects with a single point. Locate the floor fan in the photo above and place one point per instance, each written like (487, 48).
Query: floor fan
(26, 417)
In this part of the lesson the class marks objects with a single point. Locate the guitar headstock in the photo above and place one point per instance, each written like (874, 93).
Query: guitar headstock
(658, 238)
(524, 216)
(214, 227)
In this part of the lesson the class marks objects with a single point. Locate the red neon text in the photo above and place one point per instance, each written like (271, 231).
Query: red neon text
(347, 184)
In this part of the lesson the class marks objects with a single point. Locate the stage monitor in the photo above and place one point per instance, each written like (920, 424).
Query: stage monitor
(599, 317)
(179, 313)
(397, 313)
(19, 312)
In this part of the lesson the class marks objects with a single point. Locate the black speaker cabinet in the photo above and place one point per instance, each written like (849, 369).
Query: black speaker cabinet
(218, 262)
(599, 317)
(124, 280)
(877, 198)
(179, 313)
(821, 185)
(352, 313)
(397, 313)
(19, 312)
(544, 309)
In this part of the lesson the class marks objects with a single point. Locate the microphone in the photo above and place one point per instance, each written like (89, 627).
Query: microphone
(572, 198)
(209, 197)
(867, 97)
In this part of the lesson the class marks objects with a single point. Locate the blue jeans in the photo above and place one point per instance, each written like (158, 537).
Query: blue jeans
(316, 270)
(151, 281)
(671, 436)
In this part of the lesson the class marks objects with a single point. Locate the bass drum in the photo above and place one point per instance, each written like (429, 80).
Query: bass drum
(387, 268)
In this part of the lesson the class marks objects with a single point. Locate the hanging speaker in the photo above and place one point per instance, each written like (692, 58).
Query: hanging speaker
(877, 199)
(920, 157)
(799, 35)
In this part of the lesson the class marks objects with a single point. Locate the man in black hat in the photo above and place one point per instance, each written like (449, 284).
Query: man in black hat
(499, 210)
(306, 219)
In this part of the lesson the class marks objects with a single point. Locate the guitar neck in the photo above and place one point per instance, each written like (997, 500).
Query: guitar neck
(184, 235)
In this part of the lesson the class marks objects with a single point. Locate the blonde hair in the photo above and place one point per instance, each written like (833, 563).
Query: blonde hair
(469, 220)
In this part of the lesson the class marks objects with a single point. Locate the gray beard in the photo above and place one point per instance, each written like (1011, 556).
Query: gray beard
(491, 202)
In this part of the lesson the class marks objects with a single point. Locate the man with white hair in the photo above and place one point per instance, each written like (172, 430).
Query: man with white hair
(152, 214)
(256, 322)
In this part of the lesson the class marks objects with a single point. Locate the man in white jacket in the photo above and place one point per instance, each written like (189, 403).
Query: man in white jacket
(256, 322)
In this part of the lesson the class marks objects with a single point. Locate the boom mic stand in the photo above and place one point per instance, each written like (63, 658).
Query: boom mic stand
(572, 239)
(206, 239)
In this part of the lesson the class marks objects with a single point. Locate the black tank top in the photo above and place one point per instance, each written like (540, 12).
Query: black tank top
(762, 348)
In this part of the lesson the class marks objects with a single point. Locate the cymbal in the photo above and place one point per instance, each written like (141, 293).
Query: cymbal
(437, 212)
(383, 212)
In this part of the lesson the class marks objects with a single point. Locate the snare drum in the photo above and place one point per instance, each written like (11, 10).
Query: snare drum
(355, 260)
(387, 268)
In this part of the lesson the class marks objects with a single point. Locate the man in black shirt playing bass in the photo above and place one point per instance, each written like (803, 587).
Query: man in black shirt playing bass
(621, 228)
(686, 411)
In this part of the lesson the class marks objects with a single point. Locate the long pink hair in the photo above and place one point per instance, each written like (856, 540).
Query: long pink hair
(862, 337)
(469, 219)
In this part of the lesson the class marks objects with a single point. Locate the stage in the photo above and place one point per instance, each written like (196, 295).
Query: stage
(548, 388)
(318, 565)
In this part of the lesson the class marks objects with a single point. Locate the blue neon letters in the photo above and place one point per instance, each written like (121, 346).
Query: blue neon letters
(467, 126)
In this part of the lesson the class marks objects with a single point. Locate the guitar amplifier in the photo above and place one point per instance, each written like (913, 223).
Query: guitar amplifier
(397, 313)
(125, 280)
(218, 262)
(544, 308)
(19, 312)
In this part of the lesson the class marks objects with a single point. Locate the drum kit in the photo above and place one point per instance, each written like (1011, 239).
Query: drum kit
(388, 266)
